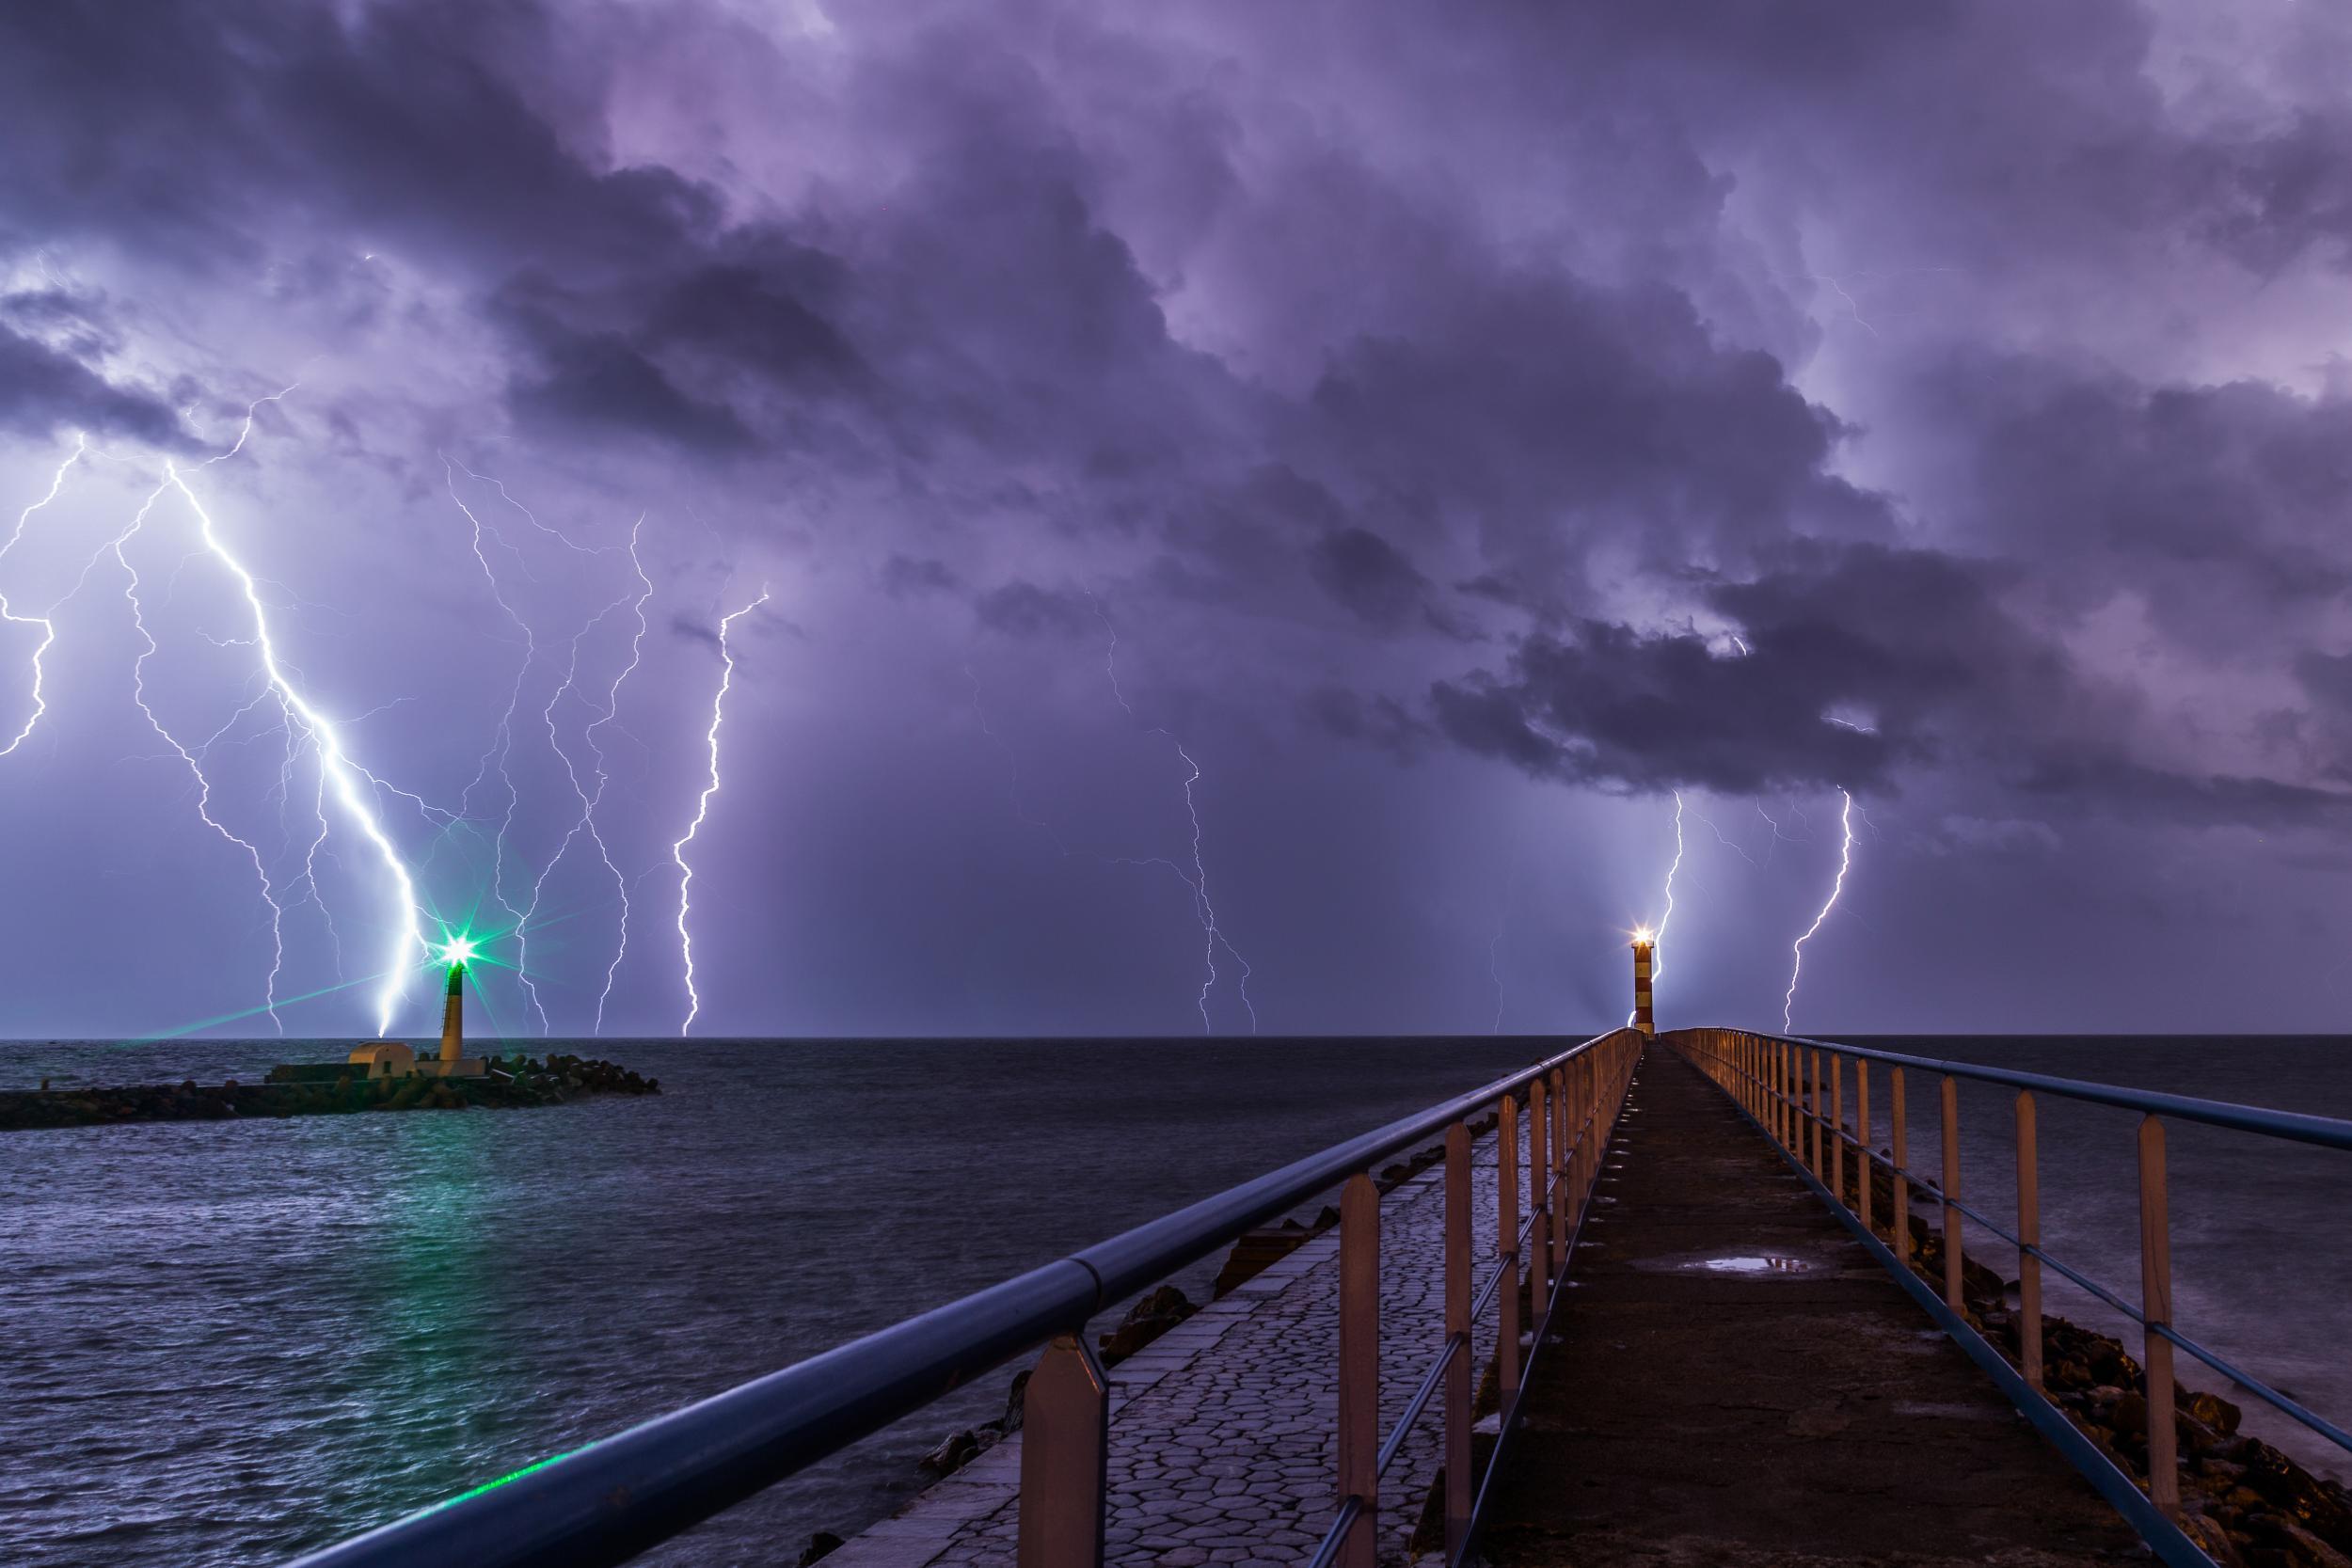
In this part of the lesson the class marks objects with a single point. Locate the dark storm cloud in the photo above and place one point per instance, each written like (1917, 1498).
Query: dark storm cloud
(1860, 657)
(1342, 348)
(1609, 706)
(1380, 723)
(595, 382)
(1862, 662)
(2122, 789)
(905, 577)
(43, 391)
(2223, 502)
(2000, 135)
(1026, 610)
(1533, 399)
(1368, 574)
(2327, 677)
(401, 121)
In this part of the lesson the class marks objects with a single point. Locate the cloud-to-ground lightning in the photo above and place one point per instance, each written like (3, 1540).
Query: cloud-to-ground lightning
(1494, 943)
(1198, 879)
(1655, 937)
(1845, 862)
(702, 810)
(1658, 938)
(339, 774)
(48, 627)
(612, 712)
(342, 775)
(585, 799)
(587, 796)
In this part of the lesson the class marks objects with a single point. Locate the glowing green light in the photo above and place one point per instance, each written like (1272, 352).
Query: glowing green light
(505, 1480)
(457, 950)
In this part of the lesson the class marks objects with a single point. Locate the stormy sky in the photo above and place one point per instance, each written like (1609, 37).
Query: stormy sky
(1277, 499)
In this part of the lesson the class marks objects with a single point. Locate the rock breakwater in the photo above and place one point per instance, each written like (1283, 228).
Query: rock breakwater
(512, 1083)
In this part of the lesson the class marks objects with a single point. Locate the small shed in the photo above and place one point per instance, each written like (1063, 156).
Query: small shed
(385, 1059)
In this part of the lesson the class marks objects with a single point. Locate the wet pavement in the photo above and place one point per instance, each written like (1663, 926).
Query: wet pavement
(1737, 1382)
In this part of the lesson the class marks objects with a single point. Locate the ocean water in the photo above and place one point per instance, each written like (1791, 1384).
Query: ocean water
(231, 1342)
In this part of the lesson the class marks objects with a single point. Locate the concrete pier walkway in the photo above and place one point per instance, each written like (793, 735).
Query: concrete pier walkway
(1735, 1381)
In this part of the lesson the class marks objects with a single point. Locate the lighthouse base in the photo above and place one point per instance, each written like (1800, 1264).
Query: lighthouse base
(464, 1066)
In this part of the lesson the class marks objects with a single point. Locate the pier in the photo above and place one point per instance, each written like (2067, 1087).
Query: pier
(1687, 1300)
(1738, 1381)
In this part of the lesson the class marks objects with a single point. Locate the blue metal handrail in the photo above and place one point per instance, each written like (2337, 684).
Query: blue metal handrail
(2324, 1132)
(609, 1501)
(2294, 1126)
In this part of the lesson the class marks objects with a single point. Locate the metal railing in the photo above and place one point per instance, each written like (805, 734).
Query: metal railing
(611, 1500)
(1782, 1084)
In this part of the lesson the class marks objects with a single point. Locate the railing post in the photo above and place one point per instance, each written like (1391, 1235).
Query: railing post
(1813, 1108)
(1951, 1196)
(1588, 1137)
(1898, 1223)
(1838, 1128)
(1457, 1325)
(1359, 1365)
(2156, 1306)
(1065, 1450)
(2029, 1235)
(1539, 1240)
(1507, 1245)
(1864, 1170)
(1780, 1094)
(1559, 1217)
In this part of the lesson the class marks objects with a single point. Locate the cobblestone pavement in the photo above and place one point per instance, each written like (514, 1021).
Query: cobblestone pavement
(1222, 1431)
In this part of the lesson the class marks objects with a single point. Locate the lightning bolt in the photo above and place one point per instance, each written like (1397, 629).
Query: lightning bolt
(702, 810)
(1845, 861)
(305, 724)
(1658, 937)
(584, 821)
(1853, 308)
(8, 612)
(612, 710)
(1503, 925)
(1658, 959)
(344, 777)
(503, 738)
(502, 748)
(1723, 839)
(1778, 837)
(1198, 879)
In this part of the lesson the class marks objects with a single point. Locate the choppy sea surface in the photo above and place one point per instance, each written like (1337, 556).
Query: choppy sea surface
(229, 1342)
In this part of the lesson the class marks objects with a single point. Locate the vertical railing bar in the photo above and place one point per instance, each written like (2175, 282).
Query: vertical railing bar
(1558, 1184)
(1952, 1238)
(1359, 1365)
(2028, 1238)
(1821, 1121)
(1899, 1222)
(1507, 1244)
(1539, 1259)
(1457, 1322)
(1837, 1127)
(2155, 1308)
(1864, 1173)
